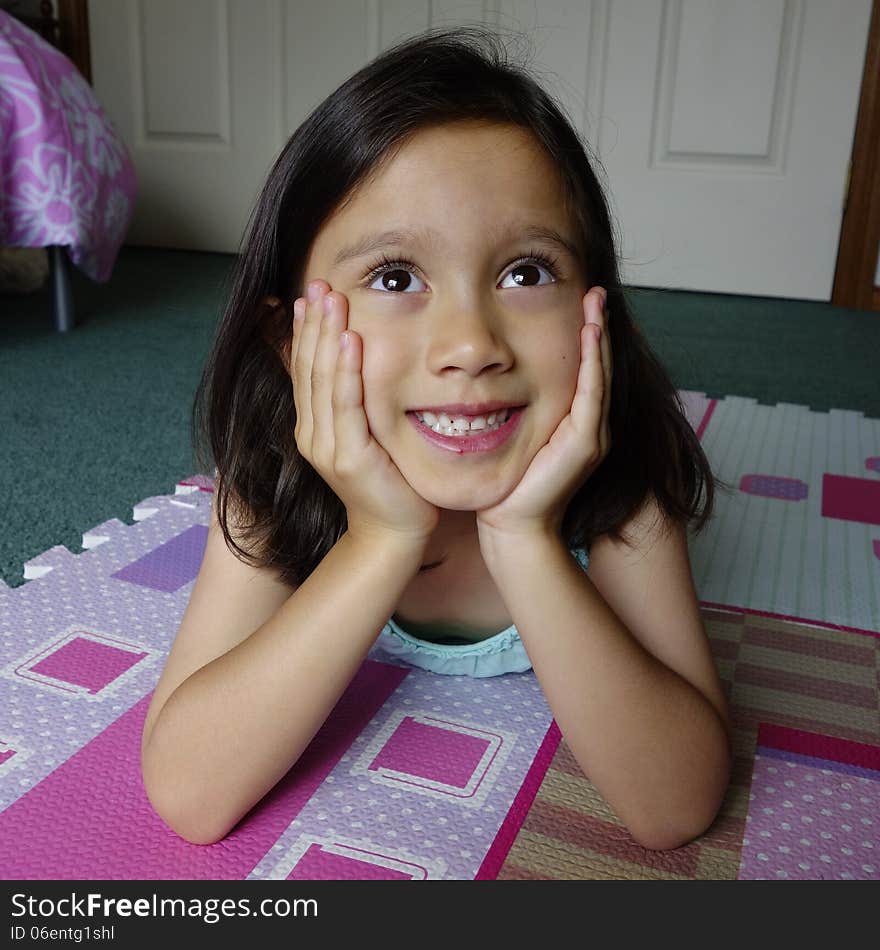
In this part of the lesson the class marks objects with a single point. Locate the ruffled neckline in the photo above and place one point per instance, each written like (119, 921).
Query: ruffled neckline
(494, 644)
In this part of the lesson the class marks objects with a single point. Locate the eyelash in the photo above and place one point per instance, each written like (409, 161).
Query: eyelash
(385, 264)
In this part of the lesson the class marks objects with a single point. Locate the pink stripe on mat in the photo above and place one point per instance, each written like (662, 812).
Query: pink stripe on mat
(822, 747)
(707, 415)
(511, 825)
(90, 819)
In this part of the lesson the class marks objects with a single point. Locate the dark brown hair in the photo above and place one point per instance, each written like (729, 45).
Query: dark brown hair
(244, 411)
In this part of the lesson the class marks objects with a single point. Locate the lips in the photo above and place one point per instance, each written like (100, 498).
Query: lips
(469, 441)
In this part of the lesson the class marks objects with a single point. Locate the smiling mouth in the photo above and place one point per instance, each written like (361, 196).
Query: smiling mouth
(463, 426)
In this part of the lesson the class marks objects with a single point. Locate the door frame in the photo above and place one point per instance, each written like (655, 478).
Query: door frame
(860, 229)
(73, 30)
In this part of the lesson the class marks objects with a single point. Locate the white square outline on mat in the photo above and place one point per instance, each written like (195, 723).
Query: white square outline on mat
(358, 849)
(19, 670)
(481, 782)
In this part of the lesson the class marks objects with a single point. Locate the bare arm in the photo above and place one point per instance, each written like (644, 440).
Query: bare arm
(261, 702)
(640, 704)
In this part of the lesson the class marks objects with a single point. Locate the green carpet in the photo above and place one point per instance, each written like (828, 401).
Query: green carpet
(94, 420)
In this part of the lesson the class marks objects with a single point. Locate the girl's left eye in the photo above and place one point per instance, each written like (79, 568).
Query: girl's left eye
(521, 271)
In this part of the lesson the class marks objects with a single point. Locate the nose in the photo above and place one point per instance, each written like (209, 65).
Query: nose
(470, 339)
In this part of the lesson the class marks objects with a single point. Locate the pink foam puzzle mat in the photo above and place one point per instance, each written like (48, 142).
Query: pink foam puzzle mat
(418, 776)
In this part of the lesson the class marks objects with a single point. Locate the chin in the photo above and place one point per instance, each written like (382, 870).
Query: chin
(461, 496)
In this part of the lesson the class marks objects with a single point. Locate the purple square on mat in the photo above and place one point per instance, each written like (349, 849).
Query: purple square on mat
(431, 752)
(171, 565)
(320, 865)
(83, 662)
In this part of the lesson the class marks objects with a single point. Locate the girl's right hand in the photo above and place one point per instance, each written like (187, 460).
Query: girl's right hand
(332, 432)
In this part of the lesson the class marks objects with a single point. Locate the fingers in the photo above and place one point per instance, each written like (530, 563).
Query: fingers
(350, 426)
(301, 354)
(328, 389)
(592, 405)
(333, 320)
(306, 332)
(606, 357)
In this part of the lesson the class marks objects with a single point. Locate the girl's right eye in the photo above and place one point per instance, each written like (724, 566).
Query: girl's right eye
(399, 274)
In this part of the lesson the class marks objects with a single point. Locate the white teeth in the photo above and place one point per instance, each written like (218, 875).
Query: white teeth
(460, 425)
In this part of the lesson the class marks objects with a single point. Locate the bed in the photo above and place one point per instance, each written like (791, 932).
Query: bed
(67, 182)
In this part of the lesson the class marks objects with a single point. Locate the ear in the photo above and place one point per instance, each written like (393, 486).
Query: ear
(276, 327)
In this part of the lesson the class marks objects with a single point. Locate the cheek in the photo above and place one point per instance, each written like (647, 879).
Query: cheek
(565, 355)
(383, 374)
(560, 361)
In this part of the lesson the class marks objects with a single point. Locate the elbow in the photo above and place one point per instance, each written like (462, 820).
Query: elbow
(666, 839)
(195, 823)
(669, 837)
(192, 826)
(194, 834)
(194, 829)
(670, 833)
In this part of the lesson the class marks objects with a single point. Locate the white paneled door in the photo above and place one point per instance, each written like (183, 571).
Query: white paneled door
(724, 127)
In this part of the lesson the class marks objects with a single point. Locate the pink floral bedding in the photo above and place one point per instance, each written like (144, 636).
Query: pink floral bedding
(66, 177)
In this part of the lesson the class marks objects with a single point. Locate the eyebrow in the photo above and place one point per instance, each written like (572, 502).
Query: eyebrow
(428, 237)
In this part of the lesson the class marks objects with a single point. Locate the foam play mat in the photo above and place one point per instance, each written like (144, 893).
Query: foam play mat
(418, 776)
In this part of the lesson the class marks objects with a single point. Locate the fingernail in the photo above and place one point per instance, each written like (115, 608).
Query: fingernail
(313, 291)
(299, 307)
(327, 304)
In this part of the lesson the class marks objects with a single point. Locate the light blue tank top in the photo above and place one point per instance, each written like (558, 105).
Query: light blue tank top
(501, 653)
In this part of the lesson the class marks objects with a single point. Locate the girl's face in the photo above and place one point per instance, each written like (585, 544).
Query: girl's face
(465, 313)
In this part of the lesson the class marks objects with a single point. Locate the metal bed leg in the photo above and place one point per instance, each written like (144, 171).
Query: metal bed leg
(65, 318)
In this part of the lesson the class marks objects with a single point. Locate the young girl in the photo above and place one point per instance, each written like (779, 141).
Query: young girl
(435, 424)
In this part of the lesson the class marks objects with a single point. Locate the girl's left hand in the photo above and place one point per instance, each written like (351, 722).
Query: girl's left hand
(580, 443)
